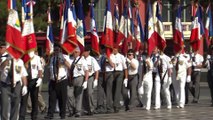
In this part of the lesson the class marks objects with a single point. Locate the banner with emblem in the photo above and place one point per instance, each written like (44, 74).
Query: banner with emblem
(15, 45)
(28, 34)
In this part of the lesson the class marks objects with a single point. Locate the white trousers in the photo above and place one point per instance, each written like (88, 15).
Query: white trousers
(179, 87)
(147, 86)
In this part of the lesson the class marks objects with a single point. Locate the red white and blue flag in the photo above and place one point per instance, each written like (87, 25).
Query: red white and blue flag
(122, 31)
(116, 22)
(80, 30)
(150, 30)
(139, 32)
(50, 38)
(68, 29)
(197, 30)
(209, 26)
(28, 34)
(15, 45)
(108, 30)
(159, 31)
(178, 32)
(23, 10)
(94, 34)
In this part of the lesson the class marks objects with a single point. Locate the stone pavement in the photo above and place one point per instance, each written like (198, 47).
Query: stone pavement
(200, 111)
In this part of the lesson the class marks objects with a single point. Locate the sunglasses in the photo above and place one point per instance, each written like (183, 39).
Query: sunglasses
(130, 54)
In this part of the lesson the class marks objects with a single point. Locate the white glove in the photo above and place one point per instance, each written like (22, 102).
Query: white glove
(128, 60)
(24, 90)
(188, 79)
(84, 85)
(125, 82)
(194, 64)
(95, 83)
(141, 90)
(38, 82)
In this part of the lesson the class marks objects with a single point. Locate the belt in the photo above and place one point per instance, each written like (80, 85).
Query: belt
(133, 75)
(77, 77)
(9, 84)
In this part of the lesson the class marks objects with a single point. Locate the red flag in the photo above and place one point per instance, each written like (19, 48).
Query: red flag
(15, 45)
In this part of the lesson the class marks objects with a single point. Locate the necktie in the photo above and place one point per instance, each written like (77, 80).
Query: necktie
(72, 68)
(103, 61)
(55, 67)
(153, 59)
(29, 71)
(177, 66)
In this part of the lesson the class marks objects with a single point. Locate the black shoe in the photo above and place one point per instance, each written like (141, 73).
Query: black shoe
(44, 110)
(70, 114)
(194, 101)
(77, 115)
(48, 117)
(90, 113)
(63, 117)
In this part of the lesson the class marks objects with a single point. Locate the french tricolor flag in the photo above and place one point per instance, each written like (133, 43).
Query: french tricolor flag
(108, 30)
(178, 32)
(50, 38)
(94, 34)
(15, 45)
(197, 30)
(209, 26)
(139, 33)
(159, 32)
(150, 30)
(116, 21)
(68, 29)
(122, 31)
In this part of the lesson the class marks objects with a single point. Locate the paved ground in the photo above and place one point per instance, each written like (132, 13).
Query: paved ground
(200, 111)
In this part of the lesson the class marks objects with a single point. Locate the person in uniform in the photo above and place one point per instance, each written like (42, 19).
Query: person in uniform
(166, 77)
(101, 96)
(120, 77)
(93, 68)
(34, 79)
(156, 78)
(147, 82)
(194, 86)
(130, 101)
(209, 66)
(59, 65)
(181, 65)
(14, 84)
(79, 77)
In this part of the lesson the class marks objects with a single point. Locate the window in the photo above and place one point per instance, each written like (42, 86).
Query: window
(99, 13)
(167, 11)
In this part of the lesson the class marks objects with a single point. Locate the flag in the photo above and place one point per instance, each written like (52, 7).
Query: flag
(23, 10)
(108, 30)
(197, 30)
(158, 31)
(139, 33)
(209, 26)
(68, 29)
(178, 32)
(80, 31)
(50, 39)
(150, 30)
(15, 46)
(122, 31)
(94, 34)
(28, 34)
(115, 22)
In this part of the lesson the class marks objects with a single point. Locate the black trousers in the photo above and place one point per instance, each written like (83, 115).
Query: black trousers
(33, 91)
(210, 83)
(194, 86)
(57, 91)
(101, 97)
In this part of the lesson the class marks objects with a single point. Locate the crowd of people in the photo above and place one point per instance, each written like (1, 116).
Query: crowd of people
(136, 79)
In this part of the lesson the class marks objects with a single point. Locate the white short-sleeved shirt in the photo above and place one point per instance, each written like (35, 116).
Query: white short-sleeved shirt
(119, 61)
(166, 62)
(92, 65)
(198, 60)
(19, 71)
(182, 66)
(109, 68)
(80, 67)
(150, 70)
(63, 70)
(35, 66)
(132, 71)
(155, 69)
